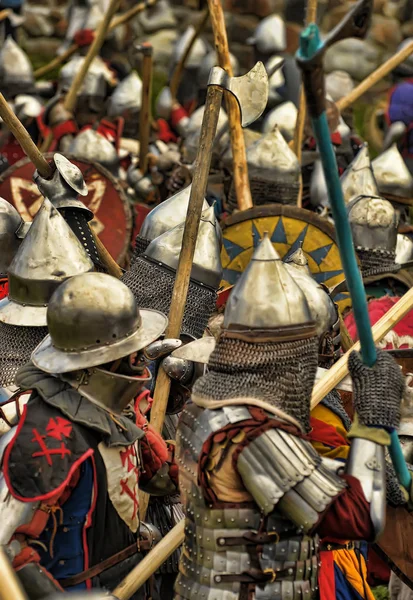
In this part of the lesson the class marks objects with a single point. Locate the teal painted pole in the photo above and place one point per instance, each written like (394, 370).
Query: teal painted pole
(310, 45)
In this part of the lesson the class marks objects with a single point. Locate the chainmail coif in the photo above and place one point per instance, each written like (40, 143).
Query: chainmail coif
(152, 285)
(376, 262)
(16, 346)
(141, 244)
(280, 373)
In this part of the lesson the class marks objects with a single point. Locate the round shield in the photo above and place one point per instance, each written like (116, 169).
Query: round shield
(288, 227)
(113, 219)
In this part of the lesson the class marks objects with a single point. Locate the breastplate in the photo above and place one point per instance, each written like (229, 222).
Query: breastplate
(227, 547)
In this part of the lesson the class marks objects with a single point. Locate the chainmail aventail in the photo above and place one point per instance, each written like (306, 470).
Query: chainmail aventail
(375, 262)
(16, 346)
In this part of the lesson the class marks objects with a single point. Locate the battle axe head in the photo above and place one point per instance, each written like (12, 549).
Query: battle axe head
(250, 90)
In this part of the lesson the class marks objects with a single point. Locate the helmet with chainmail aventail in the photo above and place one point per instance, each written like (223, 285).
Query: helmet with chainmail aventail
(267, 350)
(12, 232)
(152, 276)
(93, 320)
(359, 176)
(163, 217)
(374, 223)
(273, 169)
(49, 254)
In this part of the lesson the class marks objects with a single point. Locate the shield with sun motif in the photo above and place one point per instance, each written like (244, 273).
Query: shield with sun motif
(288, 227)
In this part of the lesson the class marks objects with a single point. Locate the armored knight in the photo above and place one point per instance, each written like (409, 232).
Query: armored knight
(49, 254)
(71, 471)
(125, 102)
(256, 493)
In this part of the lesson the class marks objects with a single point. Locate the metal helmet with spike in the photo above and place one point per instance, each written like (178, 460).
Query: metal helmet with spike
(92, 94)
(92, 146)
(298, 260)
(358, 178)
(193, 131)
(16, 71)
(270, 36)
(12, 231)
(164, 103)
(273, 170)
(206, 266)
(285, 116)
(126, 97)
(266, 296)
(391, 174)
(65, 186)
(49, 254)
(152, 274)
(165, 216)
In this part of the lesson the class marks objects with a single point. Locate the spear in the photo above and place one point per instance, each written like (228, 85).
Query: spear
(310, 60)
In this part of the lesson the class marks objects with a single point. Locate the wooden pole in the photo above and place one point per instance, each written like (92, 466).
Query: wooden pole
(119, 20)
(179, 69)
(311, 17)
(145, 117)
(379, 330)
(71, 97)
(10, 588)
(183, 272)
(374, 77)
(241, 181)
(24, 139)
(6, 12)
(150, 563)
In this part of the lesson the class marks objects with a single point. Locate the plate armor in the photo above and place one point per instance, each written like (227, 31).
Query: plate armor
(246, 546)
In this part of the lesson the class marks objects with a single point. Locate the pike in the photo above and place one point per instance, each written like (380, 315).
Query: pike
(145, 117)
(250, 91)
(310, 60)
(46, 171)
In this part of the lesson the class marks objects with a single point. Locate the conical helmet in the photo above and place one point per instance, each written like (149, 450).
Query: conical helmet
(206, 266)
(359, 177)
(270, 36)
(199, 49)
(16, 72)
(273, 170)
(338, 84)
(93, 319)
(49, 254)
(373, 223)
(126, 96)
(94, 147)
(298, 261)
(391, 174)
(266, 296)
(12, 231)
(165, 216)
(152, 274)
(193, 131)
(285, 117)
(95, 82)
(164, 103)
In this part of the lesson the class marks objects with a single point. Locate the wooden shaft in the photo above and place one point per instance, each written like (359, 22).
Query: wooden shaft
(129, 14)
(5, 13)
(241, 181)
(145, 116)
(24, 139)
(111, 265)
(71, 97)
(379, 330)
(47, 142)
(10, 587)
(179, 69)
(151, 563)
(56, 61)
(374, 77)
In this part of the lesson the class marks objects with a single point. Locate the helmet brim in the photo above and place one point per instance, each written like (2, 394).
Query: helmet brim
(50, 359)
(13, 313)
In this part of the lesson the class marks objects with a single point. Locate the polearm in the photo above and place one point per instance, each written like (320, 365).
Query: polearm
(45, 170)
(120, 20)
(310, 60)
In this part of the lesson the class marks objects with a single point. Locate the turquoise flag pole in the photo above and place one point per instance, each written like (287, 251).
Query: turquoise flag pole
(309, 58)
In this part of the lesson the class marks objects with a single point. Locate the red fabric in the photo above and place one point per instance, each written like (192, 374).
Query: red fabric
(336, 138)
(25, 556)
(165, 133)
(325, 434)
(153, 447)
(351, 508)
(326, 578)
(177, 115)
(4, 287)
(377, 308)
(84, 37)
(379, 571)
(68, 127)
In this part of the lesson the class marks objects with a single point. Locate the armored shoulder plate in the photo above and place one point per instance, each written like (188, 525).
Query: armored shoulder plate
(280, 469)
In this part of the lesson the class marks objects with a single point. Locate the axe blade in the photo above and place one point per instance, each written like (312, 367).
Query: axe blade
(250, 90)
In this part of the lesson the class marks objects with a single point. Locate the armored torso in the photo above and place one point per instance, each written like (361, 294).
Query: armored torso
(232, 550)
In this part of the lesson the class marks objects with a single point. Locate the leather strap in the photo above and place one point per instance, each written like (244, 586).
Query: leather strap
(105, 564)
